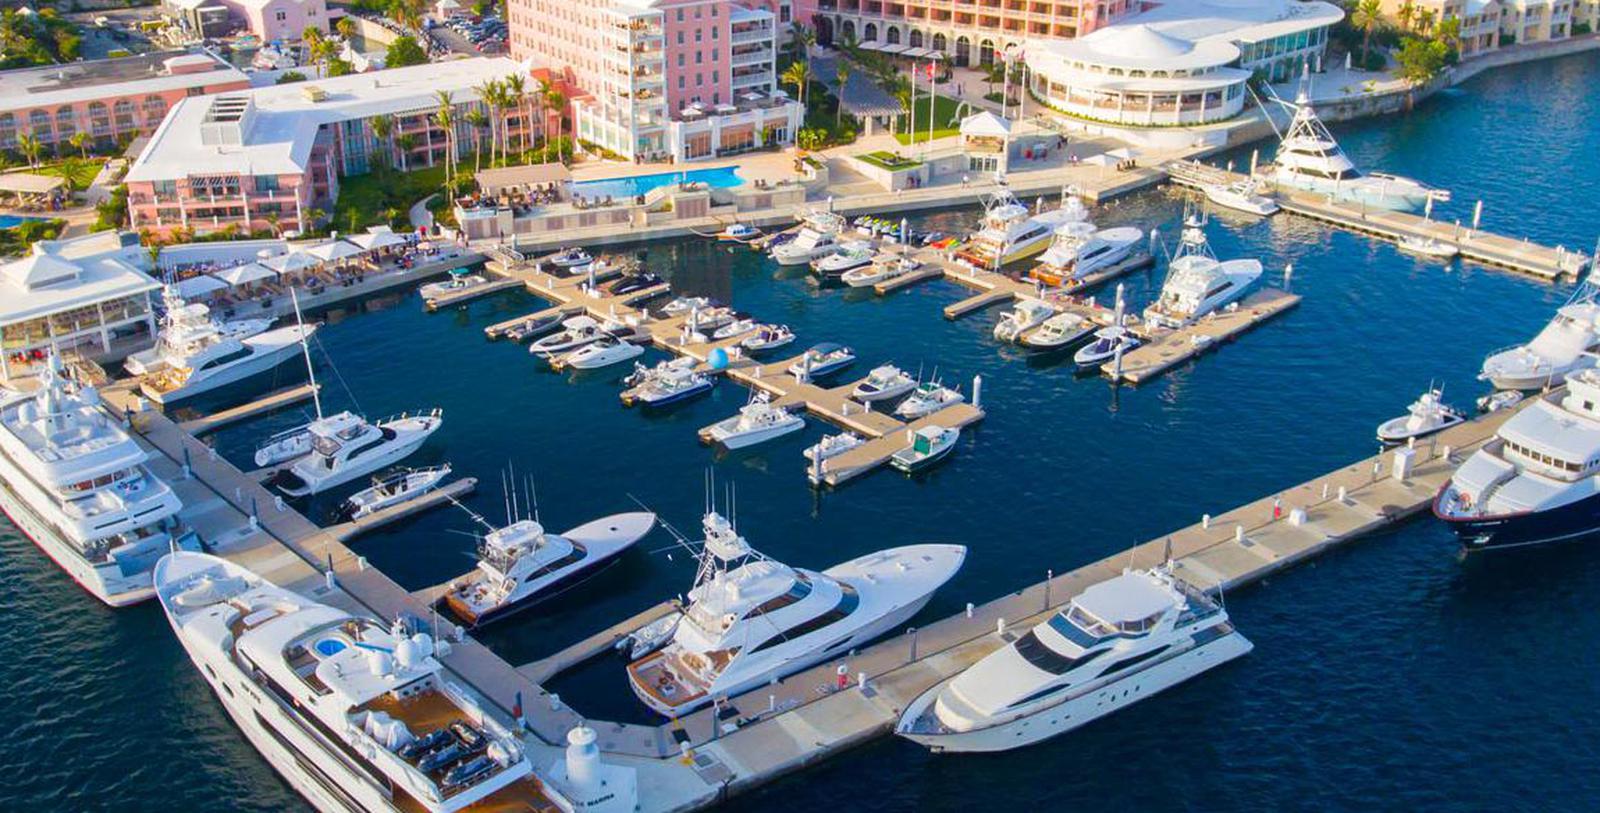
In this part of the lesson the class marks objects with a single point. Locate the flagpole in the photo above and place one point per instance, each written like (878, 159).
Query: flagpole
(933, 94)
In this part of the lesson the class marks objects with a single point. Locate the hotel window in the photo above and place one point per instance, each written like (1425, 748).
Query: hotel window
(699, 34)
(699, 58)
(680, 15)
(283, 15)
(680, 34)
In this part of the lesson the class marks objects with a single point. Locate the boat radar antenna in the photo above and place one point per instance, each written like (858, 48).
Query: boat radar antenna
(305, 349)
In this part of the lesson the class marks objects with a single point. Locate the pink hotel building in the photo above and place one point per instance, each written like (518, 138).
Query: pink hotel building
(676, 80)
(967, 32)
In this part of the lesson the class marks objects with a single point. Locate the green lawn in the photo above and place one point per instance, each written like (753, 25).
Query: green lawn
(78, 172)
(367, 200)
(888, 160)
(945, 123)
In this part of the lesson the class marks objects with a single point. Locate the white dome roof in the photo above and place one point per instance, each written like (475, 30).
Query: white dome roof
(1137, 47)
(1141, 40)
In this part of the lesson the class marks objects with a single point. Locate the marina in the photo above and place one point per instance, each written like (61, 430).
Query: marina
(607, 545)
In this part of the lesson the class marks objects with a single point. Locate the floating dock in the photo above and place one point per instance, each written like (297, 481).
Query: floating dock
(434, 498)
(1480, 246)
(260, 406)
(1164, 349)
(467, 294)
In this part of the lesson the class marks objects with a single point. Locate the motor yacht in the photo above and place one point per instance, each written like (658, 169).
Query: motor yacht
(520, 564)
(1079, 251)
(575, 333)
(929, 445)
(832, 446)
(684, 304)
(571, 258)
(757, 422)
(1427, 415)
(460, 279)
(344, 446)
(643, 375)
(1568, 343)
(750, 620)
(1027, 314)
(929, 397)
(817, 238)
(882, 269)
(710, 318)
(392, 489)
(883, 384)
(1010, 232)
(822, 360)
(1197, 282)
(602, 353)
(737, 327)
(1060, 331)
(534, 327)
(1427, 247)
(1537, 480)
(1107, 342)
(669, 386)
(767, 337)
(1116, 643)
(77, 485)
(353, 714)
(1310, 159)
(1244, 196)
(850, 256)
(195, 353)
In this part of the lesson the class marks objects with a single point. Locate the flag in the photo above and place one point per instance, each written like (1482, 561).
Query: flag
(516, 706)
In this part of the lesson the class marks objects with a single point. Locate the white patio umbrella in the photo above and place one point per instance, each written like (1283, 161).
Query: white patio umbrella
(199, 285)
(334, 250)
(376, 238)
(244, 274)
(291, 262)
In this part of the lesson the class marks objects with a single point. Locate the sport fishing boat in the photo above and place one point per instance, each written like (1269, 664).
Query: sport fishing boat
(352, 714)
(1060, 331)
(1310, 159)
(929, 445)
(750, 620)
(1117, 643)
(1197, 282)
(460, 279)
(669, 386)
(757, 422)
(392, 489)
(520, 565)
(575, 333)
(1078, 251)
(929, 397)
(883, 268)
(571, 258)
(850, 256)
(1011, 233)
(1568, 343)
(822, 360)
(1244, 196)
(1024, 316)
(818, 237)
(883, 384)
(1427, 415)
(76, 484)
(767, 337)
(195, 353)
(602, 353)
(832, 446)
(1538, 480)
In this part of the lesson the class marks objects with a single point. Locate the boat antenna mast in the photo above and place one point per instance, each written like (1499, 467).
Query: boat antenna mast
(305, 349)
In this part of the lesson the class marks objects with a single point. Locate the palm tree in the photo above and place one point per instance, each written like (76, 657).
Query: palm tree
(346, 27)
(899, 87)
(488, 91)
(154, 250)
(476, 119)
(1367, 17)
(557, 101)
(81, 141)
(841, 72)
(405, 142)
(799, 75)
(1425, 20)
(517, 93)
(272, 221)
(30, 146)
(1406, 13)
(382, 129)
(447, 121)
(541, 92)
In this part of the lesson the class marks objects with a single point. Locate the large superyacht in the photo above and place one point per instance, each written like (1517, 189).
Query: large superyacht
(77, 485)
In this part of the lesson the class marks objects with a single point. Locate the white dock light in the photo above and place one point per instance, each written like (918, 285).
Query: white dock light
(977, 392)
(583, 760)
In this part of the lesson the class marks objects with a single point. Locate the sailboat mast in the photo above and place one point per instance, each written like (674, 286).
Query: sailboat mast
(305, 348)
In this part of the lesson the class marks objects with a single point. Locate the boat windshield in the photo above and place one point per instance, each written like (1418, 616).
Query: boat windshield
(325, 446)
(1080, 627)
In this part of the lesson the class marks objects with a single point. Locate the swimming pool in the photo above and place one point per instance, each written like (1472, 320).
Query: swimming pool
(8, 221)
(720, 178)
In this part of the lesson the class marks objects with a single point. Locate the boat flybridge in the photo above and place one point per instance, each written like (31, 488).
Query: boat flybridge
(355, 715)
(750, 620)
(1027, 314)
(1309, 158)
(520, 564)
(196, 353)
(1538, 480)
(1568, 343)
(1197, 282)
(1011, 233)
(818, 237)
(1078, 251)
(1116, 643)
(76, 484)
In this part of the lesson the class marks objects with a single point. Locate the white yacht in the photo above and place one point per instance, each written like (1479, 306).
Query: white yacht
(1427, 415)
(849, 257)
(392, 489)
(929, 445)
(1197, 282)
(1309, 158)
(1427, 247)
(737, 327)
(195, 353)
(1117, 643)
(750, 620)
(355, 716)
(594, 355)
(1537, 480)
(666, 383)
(575, 333)
(929, 397)
(767, 337)
(1245, 196)
(883, 384)
(716, 316)
(345, 446)
(1079, 251)
(1059, 331)
(832, 446)
(572, 257)
(76, 484)
(1010, 232)
(1027, 314)
(757, 422)
(1568, 343)
(1105, 345)
(684, 304)
(460, 279)
(818, 237)
(883, 269)
(822, 360)
(520, 564)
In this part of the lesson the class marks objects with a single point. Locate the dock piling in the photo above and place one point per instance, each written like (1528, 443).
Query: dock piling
(1049, 576)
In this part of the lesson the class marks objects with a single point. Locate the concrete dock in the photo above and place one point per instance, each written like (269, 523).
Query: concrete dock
(260, 406)
(345, 531)
(468, 294)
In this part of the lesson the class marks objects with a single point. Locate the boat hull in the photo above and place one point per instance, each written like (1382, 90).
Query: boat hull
(272, 349)
(1575, 520)
(114, 591)
(393, 452)
(1068, 715)
(1405, 199)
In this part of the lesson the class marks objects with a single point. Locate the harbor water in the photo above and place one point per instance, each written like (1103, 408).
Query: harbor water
(1388, 674)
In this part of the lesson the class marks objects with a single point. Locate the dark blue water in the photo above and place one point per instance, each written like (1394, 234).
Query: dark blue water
(1385, 675)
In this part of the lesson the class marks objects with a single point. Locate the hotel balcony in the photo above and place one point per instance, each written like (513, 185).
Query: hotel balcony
(751, 35)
